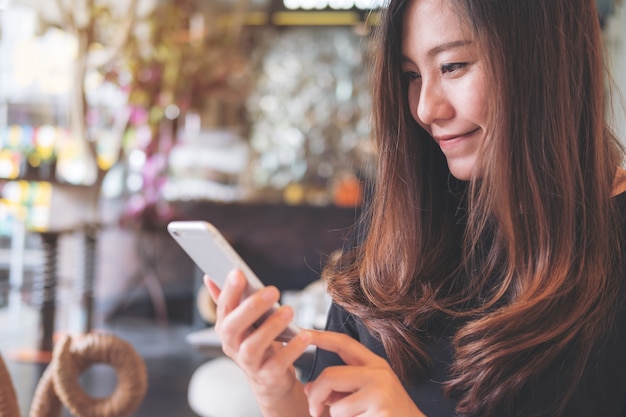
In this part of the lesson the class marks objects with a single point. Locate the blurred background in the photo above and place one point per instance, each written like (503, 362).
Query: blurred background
(118, 116)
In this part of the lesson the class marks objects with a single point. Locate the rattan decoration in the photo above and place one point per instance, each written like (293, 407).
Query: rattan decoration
(59, 385)
(8, 399)
(71, 358)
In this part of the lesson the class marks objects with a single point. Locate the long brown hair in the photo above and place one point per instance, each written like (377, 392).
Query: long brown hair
(524, 256)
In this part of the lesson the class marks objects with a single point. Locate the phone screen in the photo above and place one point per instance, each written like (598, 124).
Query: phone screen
(212, 253)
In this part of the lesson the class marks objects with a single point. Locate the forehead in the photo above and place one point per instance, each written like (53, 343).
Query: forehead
(428, 23)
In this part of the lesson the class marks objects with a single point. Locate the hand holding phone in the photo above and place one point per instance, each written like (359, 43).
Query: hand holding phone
(212, 253)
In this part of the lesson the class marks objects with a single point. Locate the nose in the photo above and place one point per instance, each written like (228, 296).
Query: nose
(433, 104)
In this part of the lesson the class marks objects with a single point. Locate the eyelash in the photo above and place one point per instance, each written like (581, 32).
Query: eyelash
(445, 68)
(411, 75)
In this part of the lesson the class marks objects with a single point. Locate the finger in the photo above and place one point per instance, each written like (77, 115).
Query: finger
(263, 336)
(288, 353)
(252, 308)
(231, 293)
(317, 409)
(268, 331)
(238, 324)
(296, 347)
(228, 300)
(354, 404)
(214, 290)
(349, 350)
(334, 380)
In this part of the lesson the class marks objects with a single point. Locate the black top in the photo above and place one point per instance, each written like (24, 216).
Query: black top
(601, 393)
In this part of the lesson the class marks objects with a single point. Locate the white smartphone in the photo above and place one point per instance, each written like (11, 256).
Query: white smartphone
(212, 253)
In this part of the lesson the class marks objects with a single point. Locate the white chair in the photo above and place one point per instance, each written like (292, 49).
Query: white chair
(219, 388)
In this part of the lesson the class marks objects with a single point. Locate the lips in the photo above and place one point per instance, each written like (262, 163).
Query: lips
(445, 141)
(446, 138)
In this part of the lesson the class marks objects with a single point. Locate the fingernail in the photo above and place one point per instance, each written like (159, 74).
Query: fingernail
(285, 312)
(305, 337)
(269, 293)
(233, 278)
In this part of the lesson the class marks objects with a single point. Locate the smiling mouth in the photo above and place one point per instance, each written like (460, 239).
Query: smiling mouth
(447, 138)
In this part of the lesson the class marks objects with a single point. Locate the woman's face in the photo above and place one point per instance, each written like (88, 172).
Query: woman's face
(446, 79)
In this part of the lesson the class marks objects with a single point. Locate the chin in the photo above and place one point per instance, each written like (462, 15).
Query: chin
(461, 171)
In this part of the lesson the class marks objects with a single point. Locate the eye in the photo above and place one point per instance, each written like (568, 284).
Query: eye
(452, 67)
(411, 75)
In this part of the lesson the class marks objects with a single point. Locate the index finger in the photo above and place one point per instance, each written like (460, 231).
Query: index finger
(230, 295)
(214, 290)
(349, 350)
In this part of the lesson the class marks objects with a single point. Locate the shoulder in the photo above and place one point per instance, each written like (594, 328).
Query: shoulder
(339, 320)
(620, 206)
(608, 372)
(342, 321)
(620, 200)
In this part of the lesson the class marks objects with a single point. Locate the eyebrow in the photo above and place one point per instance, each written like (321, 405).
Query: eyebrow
(443, 47)
(448, 45)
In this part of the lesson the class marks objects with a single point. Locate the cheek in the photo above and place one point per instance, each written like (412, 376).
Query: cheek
(475, 100)
(477, 109)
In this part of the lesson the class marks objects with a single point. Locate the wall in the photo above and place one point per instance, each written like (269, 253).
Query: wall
(615, 31)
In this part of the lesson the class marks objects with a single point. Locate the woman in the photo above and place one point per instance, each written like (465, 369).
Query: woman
(490, 278)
